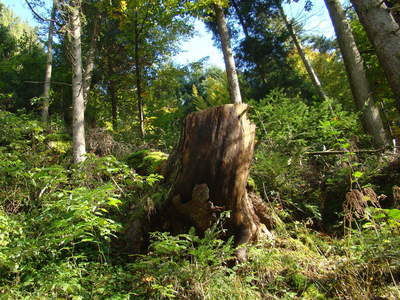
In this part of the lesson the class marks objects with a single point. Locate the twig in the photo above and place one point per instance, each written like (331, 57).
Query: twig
(121, 190)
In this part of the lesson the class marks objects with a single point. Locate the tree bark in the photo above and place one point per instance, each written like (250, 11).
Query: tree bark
(370, 114)
(90, 63)
(209, 172)
(78, 103)
(384, 34)
(309, 68)
(114, 104)
(49, 64)
(233, 81)
(394, 6)
(139, 82)
(241, 19)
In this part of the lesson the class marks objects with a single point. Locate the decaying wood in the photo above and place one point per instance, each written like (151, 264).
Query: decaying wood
(209, 172)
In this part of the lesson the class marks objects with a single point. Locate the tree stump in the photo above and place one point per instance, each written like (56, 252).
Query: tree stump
(209, 171)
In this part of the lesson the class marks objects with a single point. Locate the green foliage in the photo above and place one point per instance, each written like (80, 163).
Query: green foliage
(187, 266)
(21, 57)
(213, 92)
(59, 223)
(146, 162)
(56, 221)
(287, 128)
(294, 126)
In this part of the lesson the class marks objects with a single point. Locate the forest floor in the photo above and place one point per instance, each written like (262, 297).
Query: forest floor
(62, 228)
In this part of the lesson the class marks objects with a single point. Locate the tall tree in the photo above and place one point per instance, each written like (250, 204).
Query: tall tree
(78, 102)
(90, 58)
(233, 81)
(49, 63)
(309, 68)
(364, 100)
(138, 70)
(384, 34)
(262, 51)
(149, 30)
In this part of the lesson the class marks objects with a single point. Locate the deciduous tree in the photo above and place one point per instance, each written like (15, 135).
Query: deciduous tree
(354, 64)
(384, 34)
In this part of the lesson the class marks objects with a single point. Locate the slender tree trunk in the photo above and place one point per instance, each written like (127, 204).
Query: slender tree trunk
(78, 103)
(309, 68)
(394, 6)
(233, 81)
(241, 19)
(49, 65)
(384, 33)
(139, 83)
(371, 118)
(87, 77)
(114, 103)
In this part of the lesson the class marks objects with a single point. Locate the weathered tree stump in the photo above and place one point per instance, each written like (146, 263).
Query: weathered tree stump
(209, 171)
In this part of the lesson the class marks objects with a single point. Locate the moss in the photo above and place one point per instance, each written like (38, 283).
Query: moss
(299, 281)
(146, 162)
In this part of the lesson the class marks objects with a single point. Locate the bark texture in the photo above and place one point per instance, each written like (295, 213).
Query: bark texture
(384, 33)
(370, 114)
(138, 72)
(49, 65)
(394, 6)
(78, 103)
(309, 68)
(114, 103)
(233, 81)
(90, 61)
(209, 172)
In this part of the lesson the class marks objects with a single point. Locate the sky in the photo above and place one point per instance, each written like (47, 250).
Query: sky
(201, 45)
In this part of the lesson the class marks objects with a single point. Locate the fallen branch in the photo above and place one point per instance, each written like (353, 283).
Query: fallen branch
(344, 152)
(53, 82)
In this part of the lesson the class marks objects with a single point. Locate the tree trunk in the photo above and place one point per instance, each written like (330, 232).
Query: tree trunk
(114, 104)
(394, 6)
(139, 82)
(384, 34)
(310, 70)
(49, 65)
(78, 103)
(233, 81)
(209, 172)
(241, 19)
(87, 78)
(370, 114)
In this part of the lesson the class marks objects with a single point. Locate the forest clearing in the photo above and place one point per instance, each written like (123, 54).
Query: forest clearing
(127, 175)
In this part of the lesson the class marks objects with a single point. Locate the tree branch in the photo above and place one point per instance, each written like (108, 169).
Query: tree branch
(344, 152)
(53, 82)
(36, 14)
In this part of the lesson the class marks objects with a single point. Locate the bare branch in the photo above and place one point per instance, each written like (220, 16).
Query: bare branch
(37, 15)
(53, 82)
(344, 152)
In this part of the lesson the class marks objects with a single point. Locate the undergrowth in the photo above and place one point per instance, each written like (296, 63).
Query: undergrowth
(59, 224)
